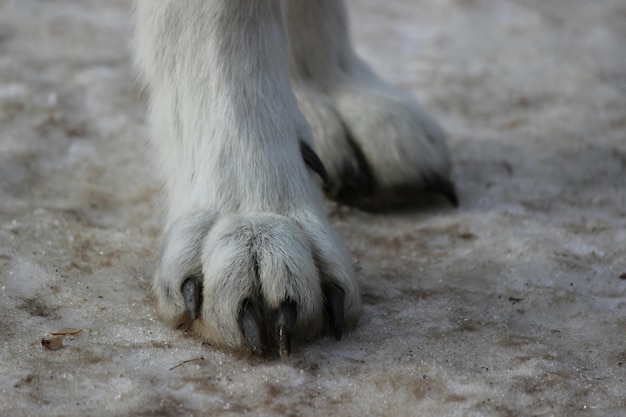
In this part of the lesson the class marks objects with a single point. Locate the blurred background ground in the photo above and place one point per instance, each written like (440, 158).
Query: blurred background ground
(512, 305)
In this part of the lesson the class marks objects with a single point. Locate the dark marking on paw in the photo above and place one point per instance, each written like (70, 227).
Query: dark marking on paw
(314, 162)
(439, 184)
(251, 325)
(285, 325)
(335, 308)
(192, 294)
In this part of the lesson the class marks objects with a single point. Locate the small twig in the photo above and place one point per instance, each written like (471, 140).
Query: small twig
(67, 333)
(201, 358)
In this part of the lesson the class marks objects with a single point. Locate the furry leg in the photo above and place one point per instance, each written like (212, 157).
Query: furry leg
(245, 225)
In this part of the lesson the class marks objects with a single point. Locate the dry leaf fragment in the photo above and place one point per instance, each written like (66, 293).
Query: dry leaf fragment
(52, 343)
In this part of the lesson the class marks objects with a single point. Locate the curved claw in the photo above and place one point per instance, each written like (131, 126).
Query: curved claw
(192, 294)
(250, 326)
(335, 308)
(285, 324)
(314, 162)
(442, 185)
(358, 179)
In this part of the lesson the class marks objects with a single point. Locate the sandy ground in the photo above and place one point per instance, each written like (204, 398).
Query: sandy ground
(512, 305)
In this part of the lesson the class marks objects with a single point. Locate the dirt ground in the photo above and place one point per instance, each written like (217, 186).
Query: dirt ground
(514, 304)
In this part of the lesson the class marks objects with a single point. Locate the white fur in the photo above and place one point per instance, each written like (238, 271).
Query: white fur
(243, 211)
(344, 100)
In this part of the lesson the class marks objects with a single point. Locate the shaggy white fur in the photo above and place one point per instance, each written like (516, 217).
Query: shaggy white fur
(246, 234)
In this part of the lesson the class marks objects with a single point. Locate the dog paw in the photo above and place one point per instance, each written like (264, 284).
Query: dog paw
(253, 282)
(378, 145)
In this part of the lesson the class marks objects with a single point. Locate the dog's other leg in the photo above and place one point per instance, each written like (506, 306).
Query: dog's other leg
(248, 258)
(378, 145)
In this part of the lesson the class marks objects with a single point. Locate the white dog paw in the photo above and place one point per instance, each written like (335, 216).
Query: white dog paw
(252, 282)
(378, 145)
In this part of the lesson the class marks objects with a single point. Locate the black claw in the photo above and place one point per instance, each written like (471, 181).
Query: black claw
(192, 294)
(334, 308)
(285, 324)
(443, 186)
(356, 180)
(314, 162)
(359, 178)
(250, 326)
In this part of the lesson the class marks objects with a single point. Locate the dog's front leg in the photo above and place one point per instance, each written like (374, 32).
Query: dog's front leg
(248, 258)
